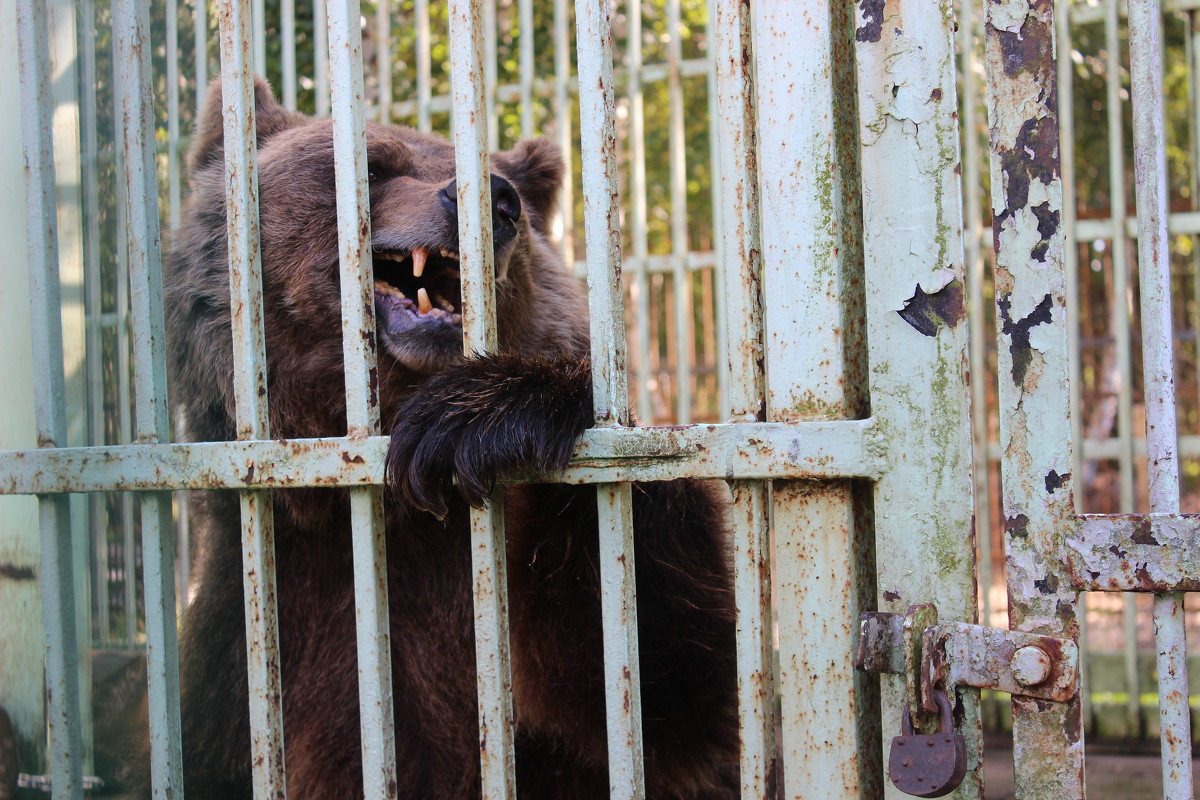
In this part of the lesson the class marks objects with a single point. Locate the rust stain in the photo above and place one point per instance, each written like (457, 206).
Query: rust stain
(14, 573)
(872, 28)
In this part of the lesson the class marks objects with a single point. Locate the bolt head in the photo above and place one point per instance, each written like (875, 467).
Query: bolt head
(1031, 665)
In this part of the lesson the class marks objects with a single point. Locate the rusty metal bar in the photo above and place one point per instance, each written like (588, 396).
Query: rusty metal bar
(741, 249)
(912, 233)
(802, 213)
(131, 53)
(1135, 552)
(57, 582)
(258, 35)
(813, 450)
(609, 395)
(718, 229)
(1154, 264)
(489, 72)
(488, 556)
(250, 393)
(1032, 337)
(362, 398)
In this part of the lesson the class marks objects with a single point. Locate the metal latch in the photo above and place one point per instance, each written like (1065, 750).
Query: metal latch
(960, 654)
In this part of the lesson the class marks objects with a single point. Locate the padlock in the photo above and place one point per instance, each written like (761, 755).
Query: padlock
(928, 765)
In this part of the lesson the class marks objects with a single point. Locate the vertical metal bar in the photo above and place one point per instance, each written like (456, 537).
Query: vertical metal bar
(1193, 67)
(803, 277)
(200, 45)
(362, 400)
(287, 14)
(714, 168)
(259, 35)
(638, 233)
(1066, 139)
(973, 260)
(172, 54)
(525, 11)
(488, 557)
(58, 588)
(93, 304)
(1120, 326)
(424, 78)
(562, 112)
(913, 251)
(1154, 263)
(679, 220)
(250, 394)
(131, 36)
(610, 398)
(383, 58)
(321, 57)
(1032, 336)
(740, 253)
(124, 383)
(489, 72)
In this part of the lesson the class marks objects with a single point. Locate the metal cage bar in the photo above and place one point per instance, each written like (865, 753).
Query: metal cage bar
(54, 516)
(132, 58)
(1032, 337)
(622, 680)
(362, 398)
(1154, 263)
(741, 251)
(250, 392)
(488, 556)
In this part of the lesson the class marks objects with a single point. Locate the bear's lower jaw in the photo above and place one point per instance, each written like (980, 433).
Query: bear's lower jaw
(423, 342)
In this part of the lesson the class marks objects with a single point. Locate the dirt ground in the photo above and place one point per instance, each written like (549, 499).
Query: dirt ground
(1109, 775)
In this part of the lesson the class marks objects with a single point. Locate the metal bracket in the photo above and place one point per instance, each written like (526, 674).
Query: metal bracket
(961, 654)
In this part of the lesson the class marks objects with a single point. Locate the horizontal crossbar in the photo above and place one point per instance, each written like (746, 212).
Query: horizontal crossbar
(816, 450)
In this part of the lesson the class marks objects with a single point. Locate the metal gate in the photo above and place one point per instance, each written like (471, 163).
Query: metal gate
(847, 441)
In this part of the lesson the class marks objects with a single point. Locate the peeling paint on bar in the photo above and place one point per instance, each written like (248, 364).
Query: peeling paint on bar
(912, 230)
(468, 75)
(1034, 385)
(610, 394)
(1154, 272)
(741, 249)
(809, 232)
(850, 449)
(1135, 553)
(250, 393)
(57, 584)
(131, 47)
(362, 397)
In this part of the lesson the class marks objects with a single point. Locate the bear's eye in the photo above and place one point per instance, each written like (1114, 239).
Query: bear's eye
(371, 176)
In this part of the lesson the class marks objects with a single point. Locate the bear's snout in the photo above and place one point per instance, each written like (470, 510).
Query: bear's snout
(506, 207)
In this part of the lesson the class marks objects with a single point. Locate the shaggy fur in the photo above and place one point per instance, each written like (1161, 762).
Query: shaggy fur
(457, 424)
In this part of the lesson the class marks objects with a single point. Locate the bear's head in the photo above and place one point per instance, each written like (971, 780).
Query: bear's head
(414, 236)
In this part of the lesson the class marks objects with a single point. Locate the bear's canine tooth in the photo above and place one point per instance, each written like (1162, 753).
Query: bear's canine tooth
(423, 301)
(419, 256)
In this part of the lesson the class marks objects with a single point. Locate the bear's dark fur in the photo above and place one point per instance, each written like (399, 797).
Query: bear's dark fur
(456, 425)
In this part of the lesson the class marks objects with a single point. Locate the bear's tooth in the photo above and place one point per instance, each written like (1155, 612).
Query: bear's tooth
(419, 256)
(423, 301)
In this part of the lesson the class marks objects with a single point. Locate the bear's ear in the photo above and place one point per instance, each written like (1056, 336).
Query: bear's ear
(535, 166)
(208, 140)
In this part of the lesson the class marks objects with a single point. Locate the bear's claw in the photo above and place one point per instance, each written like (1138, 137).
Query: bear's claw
(485, 417)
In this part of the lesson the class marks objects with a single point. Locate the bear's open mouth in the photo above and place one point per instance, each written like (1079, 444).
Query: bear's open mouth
(419, 284)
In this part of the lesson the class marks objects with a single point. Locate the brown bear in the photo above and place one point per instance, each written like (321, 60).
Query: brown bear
(457, 424)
